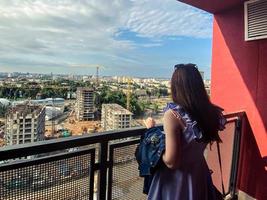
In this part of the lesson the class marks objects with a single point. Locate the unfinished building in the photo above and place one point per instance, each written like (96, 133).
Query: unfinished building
(84, 104)
(25, 124)
(114, 116)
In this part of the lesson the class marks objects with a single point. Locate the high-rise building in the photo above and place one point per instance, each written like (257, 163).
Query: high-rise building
(84, 104)
(25, 124)
(114, 116)
(202, 74)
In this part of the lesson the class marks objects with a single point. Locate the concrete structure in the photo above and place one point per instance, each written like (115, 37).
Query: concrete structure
(55, 102)
(52, 112)
(207, 84)
(25, 124)
(115, 117)
(84, 104)
(202, 74)
(4, 102)
(54, 106)
(238, 76)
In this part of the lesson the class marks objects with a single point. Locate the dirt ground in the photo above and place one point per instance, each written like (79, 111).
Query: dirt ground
(79, 127)
(2, 142)
(76, 127)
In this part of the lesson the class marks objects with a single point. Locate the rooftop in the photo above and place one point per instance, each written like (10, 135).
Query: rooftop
(85, 89)
(24, 109)
(117, 109)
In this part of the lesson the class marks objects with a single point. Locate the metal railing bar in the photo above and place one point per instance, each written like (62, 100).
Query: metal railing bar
(236, 151)
(20, 163)
(103, 170)
(124, 143)
(232, 119)
(92, 175)
(11, 152)
(110, 172)
(240, 113)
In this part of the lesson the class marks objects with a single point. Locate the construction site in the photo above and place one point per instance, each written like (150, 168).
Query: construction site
(69, 125)
(79, 119)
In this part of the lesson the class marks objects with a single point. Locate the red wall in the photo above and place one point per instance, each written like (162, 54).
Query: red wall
(239, 82)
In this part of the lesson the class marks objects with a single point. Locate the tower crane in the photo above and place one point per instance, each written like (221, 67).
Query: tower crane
(53, 123)
(97, 66)
(129, 82)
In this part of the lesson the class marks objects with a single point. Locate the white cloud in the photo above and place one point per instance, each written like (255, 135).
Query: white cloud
(63, 30)
(168, 18)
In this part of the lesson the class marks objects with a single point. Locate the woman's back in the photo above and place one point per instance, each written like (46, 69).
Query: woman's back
(186, 175)
(192, 179)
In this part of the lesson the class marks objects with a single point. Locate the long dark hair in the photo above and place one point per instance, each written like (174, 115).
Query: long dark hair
(188, 91)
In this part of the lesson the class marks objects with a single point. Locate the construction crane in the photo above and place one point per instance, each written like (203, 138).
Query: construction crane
(97, 75)
(97, 66)
(128, 95)
(53, 123)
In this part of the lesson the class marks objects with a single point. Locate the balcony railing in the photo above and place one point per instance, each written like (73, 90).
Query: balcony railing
(98, 166)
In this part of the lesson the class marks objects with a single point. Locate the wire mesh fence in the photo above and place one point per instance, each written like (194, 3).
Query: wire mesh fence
(55, 178)
(126, 183)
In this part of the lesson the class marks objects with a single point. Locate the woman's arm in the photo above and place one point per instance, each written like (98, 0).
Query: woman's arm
(173, 130)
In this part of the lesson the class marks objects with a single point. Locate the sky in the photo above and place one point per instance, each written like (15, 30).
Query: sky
(140, 38)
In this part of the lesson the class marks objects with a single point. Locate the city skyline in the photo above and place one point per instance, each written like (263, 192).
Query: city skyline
(14, 74)
(128, 38)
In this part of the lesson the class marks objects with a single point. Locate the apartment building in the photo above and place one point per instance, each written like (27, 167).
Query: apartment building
(114, 116)
(202, 74)
(84, 104)
(25, 124)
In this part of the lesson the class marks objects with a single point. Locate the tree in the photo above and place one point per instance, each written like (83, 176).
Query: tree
(136, 107)
(106, 95)
(155, 108)
(3, 110)
(163, 91)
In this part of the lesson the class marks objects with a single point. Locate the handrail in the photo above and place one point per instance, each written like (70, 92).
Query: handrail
(240, 113)
(10, 152)
(22, 150)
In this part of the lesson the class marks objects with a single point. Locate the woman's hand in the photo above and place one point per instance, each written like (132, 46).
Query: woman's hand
(149, 122)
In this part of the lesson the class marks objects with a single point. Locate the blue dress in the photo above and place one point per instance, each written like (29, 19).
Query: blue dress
(192, 180)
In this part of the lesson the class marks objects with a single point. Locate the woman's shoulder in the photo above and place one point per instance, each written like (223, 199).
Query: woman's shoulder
(172, 106)
(173, 113)
(171, 119)
(191, 130)
(175, 108)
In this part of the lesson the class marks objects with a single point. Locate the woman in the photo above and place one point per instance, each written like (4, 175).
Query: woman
(190, 123)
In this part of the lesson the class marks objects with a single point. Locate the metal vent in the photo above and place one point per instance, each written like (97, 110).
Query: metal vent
(255, 19)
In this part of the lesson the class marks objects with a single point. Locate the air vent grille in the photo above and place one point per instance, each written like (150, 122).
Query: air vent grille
(255, 19)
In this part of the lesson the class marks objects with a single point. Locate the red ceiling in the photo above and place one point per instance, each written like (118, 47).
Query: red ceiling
(213, 6)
